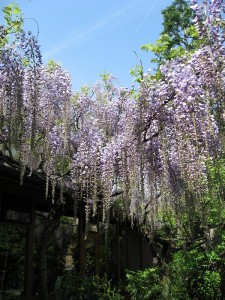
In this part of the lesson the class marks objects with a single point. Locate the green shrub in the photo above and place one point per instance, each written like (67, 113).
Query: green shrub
(89, 287)
(143, 284)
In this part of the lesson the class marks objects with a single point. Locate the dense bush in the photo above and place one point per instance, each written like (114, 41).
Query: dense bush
(92, 287)
(196, 273)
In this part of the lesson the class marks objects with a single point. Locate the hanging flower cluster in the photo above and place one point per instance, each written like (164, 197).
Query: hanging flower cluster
(35, 103)
(139, 155)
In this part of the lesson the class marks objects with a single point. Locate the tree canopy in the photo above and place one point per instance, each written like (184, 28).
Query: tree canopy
(177, 23)
(179, 34)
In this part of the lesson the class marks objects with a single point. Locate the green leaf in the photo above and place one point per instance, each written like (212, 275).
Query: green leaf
(16, 11)
(146, 47)
(7, 19)
(7, 10)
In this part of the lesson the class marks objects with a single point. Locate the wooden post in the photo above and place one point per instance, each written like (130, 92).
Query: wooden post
(81, 245)
(118, 267)
(97, 267)
(127, 228)
(29, 255)
(1, 210)
(141, 253)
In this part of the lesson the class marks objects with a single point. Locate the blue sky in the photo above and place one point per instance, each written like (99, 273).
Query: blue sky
(90, 37)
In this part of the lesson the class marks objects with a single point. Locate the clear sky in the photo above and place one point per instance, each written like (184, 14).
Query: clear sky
(89, 37)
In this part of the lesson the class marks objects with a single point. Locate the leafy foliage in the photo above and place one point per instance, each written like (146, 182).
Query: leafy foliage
(143, 284)
(196, 273)
(14, 23)
(91, 287)
(179, 35)
(12, 260)
(177, 24)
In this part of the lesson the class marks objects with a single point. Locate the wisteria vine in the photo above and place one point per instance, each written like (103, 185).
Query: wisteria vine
(136, 157)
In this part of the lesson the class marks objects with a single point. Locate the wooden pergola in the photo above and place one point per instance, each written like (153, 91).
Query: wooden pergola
(132, 251)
